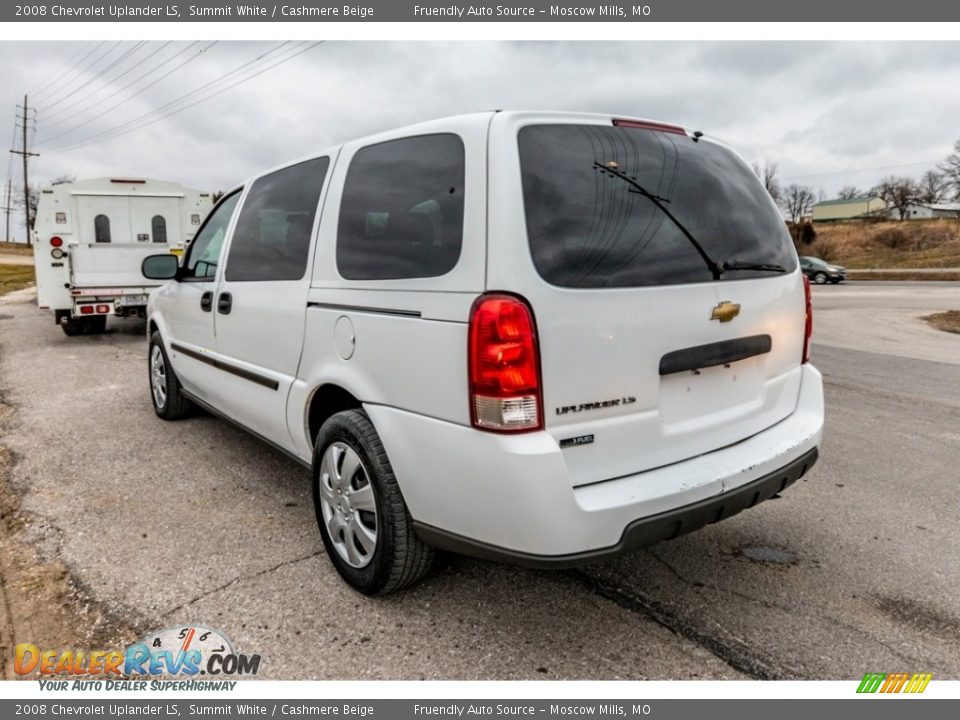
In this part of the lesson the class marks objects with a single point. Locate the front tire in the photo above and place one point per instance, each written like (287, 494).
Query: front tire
(169, 401)
(363, 519)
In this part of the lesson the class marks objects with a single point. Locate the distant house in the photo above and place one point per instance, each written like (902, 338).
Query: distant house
(928, 211)
(858, 208)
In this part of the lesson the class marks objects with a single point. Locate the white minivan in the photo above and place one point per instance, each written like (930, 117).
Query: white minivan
(536, 337)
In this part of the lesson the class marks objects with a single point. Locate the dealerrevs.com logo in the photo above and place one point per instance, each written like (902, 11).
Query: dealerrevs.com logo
(175, 652)
(887, 683)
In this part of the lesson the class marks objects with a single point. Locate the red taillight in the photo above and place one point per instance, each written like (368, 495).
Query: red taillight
(86, 309)
(808, 329)
(644, 125)
(504, 366)
(56, 241)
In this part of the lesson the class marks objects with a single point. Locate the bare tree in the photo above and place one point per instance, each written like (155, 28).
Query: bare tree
(797, 202)
(951, 170)
(898, 193)
(768, 176)
(849, 192)
(933, 187)
(33, 198)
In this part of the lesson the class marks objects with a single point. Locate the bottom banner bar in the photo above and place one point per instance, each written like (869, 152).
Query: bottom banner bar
(872, 708)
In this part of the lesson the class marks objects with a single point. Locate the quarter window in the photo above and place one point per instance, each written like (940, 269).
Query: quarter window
(101, 229)
(272, 238)
(401, 215)
(158, 227)
(206, 246)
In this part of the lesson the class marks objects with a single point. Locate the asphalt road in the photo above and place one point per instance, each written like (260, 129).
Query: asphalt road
(854, 569)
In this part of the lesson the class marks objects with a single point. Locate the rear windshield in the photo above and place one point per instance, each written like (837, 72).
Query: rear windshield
(590, 228)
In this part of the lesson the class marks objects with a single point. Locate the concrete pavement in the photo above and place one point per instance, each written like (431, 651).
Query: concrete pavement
(853, 570)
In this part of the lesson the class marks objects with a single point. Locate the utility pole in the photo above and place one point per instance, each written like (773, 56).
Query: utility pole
(6, 209)
(26, 155)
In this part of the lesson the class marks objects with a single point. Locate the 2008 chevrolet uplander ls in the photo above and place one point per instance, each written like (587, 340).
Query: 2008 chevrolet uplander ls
(537, 337)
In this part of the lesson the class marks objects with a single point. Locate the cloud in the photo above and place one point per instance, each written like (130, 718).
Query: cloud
(823, 111)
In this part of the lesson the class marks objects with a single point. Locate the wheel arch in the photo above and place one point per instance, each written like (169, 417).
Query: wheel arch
(325, 401)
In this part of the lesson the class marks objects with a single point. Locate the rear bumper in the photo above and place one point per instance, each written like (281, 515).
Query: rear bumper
(640, 533)
(511, 497)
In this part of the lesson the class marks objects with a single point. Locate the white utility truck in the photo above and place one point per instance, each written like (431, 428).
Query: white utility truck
(90, 237)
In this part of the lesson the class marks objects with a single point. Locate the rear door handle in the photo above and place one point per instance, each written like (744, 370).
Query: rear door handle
(206, 301)
(224, 303)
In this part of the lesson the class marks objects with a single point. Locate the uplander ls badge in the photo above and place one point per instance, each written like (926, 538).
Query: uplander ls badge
(725, 311)
(598, 405)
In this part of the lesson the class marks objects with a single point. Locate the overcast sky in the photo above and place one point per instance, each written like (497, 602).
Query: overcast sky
(830, 114)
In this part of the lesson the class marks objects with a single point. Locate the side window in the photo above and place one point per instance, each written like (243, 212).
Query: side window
(158, 228)
(402, 210)
(205, 248)
(271, 240)
(101, 229)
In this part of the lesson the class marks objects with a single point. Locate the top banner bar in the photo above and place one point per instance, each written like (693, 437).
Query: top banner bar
(528, 11)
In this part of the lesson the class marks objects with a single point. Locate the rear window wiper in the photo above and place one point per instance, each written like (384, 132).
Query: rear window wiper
(761, 267)
(716, 269)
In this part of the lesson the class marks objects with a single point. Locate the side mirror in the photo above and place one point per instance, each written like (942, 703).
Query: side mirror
(160, 267)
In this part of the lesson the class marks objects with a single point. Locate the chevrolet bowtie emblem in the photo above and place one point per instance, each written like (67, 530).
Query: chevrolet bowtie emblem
(725, 311)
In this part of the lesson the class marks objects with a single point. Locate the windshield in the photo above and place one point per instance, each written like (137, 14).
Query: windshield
(589, 228)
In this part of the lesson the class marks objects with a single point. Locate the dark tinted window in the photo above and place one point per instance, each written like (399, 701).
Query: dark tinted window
(158, 226)
(206, 246)
(588, 228)
(272, 238)
(101, 229)
(402, 210)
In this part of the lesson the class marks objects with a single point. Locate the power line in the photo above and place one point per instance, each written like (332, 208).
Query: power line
(37, 91)
(81, 86)
(145, 120)
(137, 79)
(134, 66)
(77, 71)
(63, 77)
(69, 110)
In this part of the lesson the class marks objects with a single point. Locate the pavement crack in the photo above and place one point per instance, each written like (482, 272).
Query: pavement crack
(735, 654)
(769, 604)
(238, 579)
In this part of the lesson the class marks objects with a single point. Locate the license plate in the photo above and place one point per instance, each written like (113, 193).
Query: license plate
(133, 299)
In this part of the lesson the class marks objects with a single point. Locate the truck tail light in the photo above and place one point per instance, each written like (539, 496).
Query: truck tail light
(103, 308)
(808, 328)
(504, 366)
(56, 241)
(86, 309)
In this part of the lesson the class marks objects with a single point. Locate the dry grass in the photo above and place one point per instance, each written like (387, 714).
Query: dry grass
(15, 249)
(909, 244)
(948, 321)
(15, 277)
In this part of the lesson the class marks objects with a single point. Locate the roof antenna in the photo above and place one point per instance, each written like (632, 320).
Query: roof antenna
(697, 135)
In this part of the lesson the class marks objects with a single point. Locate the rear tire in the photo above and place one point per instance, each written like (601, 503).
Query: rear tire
(169, 401)
(820, 278)
(74, 326)
(363, 519)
